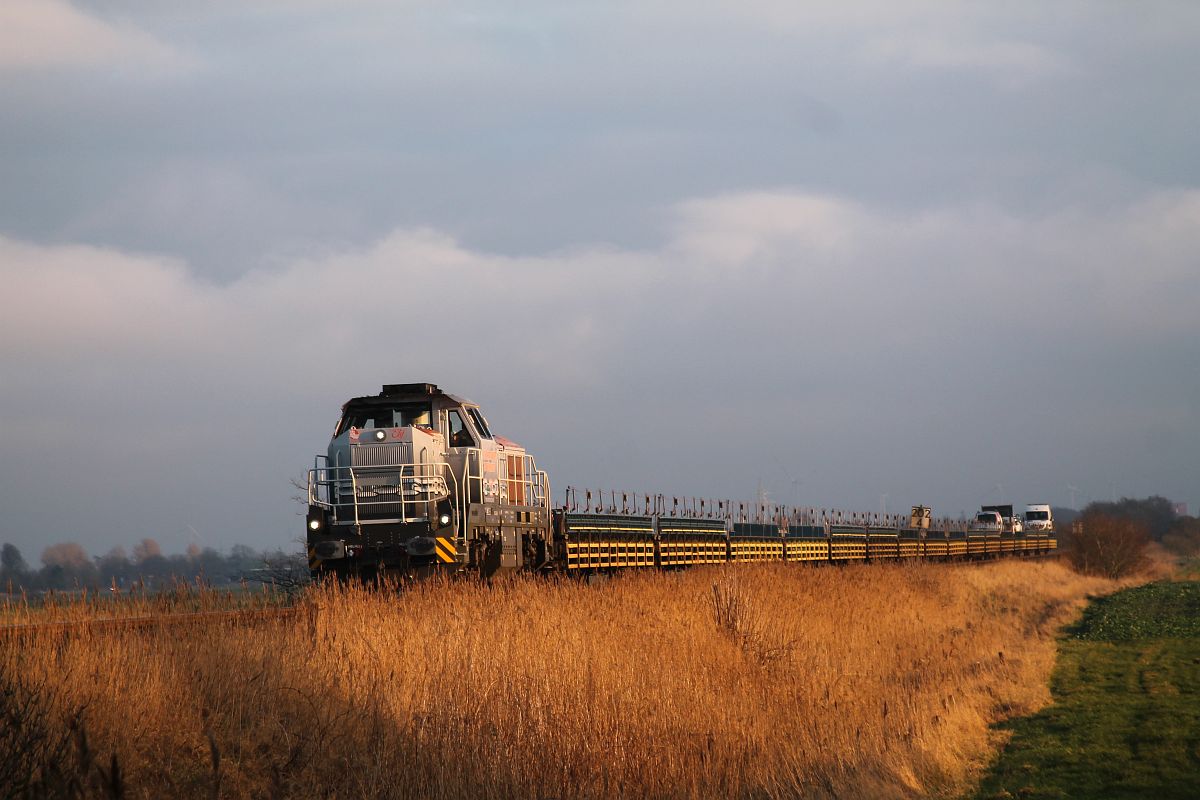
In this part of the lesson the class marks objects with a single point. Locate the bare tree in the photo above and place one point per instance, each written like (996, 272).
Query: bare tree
(146, 549)
(66, 565)
(287, 572)
(1109, 545)
(69, 555)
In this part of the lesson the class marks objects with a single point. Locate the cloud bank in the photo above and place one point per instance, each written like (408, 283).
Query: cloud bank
(48, 34)
(834, 350)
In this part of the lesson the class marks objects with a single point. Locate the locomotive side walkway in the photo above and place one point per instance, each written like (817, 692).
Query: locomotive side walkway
(1125, 719)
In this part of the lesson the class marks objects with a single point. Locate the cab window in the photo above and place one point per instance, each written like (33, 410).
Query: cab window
(414, 414)
(399, 416)
(459, 434)
(366, 418)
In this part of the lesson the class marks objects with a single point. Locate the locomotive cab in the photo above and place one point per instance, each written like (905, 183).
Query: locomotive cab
(413, 479)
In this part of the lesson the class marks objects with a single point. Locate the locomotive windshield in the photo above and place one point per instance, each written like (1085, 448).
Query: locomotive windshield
(399, 415)
(1038, 516)
(480, 422)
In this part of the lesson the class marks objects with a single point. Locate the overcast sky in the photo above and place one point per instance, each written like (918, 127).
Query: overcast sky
(877, 253)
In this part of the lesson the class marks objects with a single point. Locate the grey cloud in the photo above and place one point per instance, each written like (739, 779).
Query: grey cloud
(559, 125)
(929, 355)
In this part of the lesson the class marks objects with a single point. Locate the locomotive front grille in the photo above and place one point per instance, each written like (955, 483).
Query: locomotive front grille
(381, 455)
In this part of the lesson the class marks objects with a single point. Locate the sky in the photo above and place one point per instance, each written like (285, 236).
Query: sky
(861, 255)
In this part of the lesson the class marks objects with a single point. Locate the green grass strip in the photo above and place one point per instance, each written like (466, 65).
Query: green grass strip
(1125, 721)
(1153, 611)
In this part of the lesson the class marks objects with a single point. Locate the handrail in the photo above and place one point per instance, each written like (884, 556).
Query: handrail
(427, 481)
(754, 513)
(428, 478)
(532, 484)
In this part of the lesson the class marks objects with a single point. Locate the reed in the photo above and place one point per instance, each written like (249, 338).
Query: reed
(739, 681)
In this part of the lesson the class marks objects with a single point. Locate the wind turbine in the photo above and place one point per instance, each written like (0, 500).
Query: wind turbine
(1073, 490)
(793, 480)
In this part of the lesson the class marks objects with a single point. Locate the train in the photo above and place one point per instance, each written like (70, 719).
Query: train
(414, 482)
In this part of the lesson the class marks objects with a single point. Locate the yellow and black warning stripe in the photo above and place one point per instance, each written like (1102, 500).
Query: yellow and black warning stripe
(446, 549)
(314, 560)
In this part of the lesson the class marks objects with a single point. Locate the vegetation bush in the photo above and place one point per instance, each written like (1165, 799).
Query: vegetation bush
(1155, 515)
(1108, 546)
(1183, 537)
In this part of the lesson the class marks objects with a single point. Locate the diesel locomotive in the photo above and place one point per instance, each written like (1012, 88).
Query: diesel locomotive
(414, 481)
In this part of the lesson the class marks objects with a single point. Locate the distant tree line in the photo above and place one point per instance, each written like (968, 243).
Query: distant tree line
(1156, 516)
(66, 566)
(1111, 538)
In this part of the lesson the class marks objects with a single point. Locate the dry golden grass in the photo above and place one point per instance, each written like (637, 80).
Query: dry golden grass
(742, 681)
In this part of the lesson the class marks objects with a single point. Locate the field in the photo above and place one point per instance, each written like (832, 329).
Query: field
(1126, 716)
(98, 608)
(746, 681)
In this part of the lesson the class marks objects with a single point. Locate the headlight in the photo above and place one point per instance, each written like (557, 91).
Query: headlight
(444, 519)
(314, 524)
(380, 435)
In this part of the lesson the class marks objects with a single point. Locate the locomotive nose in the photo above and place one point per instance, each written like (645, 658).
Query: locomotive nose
(420, 546)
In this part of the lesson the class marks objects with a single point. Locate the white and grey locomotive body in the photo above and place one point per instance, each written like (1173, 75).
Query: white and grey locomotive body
(413, 481)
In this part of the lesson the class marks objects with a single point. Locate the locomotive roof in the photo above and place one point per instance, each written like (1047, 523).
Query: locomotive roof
(407, 392)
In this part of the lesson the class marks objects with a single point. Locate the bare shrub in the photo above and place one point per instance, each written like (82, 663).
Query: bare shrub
(737, 616)
(1108, 546)
(286, 573)
(43, 754)
(29, 739)
(731, 606)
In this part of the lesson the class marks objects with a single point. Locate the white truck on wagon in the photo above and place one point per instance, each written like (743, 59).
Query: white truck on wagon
(1039, 517)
